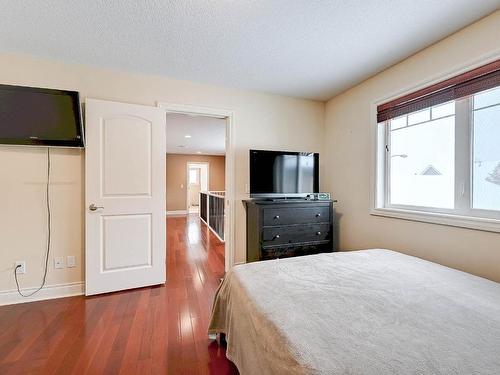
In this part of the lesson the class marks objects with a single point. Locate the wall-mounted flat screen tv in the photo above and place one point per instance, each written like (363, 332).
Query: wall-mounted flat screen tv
(283, 173)
(40, 117)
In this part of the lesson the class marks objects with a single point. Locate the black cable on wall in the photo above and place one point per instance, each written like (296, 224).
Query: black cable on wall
(47, 252)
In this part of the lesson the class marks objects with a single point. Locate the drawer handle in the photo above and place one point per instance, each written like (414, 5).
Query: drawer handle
(277, 217)
(318, 215)
(318, 233)
(276, 237)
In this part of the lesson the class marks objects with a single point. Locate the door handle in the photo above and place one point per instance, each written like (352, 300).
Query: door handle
(93, 207)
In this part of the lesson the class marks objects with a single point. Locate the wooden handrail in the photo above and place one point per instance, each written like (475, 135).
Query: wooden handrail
(221, 193)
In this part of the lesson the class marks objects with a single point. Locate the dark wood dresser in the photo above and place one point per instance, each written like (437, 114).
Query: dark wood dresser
(287, 228)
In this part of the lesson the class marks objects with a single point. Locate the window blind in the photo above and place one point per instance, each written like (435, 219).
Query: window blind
(465, 84)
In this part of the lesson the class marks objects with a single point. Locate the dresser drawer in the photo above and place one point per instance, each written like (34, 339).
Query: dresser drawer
(304, 215)
(274, 236)
(279, 229)
(286, 251)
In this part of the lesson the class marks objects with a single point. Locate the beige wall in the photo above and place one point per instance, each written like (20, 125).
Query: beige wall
(261, 121)
(177, 177)
(347, 154)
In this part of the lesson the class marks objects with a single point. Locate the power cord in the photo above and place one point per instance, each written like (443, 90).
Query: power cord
(47, 253)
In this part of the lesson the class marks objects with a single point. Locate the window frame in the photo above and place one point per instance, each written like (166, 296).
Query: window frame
(463, 215)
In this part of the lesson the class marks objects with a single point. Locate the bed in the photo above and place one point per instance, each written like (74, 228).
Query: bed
(362, 312)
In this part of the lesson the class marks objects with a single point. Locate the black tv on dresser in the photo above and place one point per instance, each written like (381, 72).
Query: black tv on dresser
(285, 218)
(283, 174)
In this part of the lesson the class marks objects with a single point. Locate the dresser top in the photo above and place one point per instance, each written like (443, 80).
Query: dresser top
(274, 201)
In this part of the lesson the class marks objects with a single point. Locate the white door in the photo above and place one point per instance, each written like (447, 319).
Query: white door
(125, 196)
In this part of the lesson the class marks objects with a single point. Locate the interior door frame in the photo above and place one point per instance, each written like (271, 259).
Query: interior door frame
(227, 115)
(206, 164)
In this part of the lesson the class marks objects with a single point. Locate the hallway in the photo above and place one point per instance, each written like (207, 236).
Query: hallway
(153, 330)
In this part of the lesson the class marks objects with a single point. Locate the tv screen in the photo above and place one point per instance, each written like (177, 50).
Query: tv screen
(37, 116)
(283, 173)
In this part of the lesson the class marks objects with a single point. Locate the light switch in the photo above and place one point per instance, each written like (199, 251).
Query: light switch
(71, 261)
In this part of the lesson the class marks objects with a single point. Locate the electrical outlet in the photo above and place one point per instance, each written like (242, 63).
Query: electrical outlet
(21, 269)
(58, 262)
(71, 261)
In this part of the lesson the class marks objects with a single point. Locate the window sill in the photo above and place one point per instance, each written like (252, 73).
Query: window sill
(484, 224)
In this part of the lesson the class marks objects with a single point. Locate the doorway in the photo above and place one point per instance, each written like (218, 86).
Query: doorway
(197, 182)
(143, 177)
(226, 197)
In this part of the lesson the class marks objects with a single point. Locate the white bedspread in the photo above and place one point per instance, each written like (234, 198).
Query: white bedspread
(362, 312)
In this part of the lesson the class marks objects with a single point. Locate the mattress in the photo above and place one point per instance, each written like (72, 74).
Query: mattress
(362, 312)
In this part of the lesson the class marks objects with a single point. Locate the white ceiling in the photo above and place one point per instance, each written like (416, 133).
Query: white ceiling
(302, 48)
(208, 135)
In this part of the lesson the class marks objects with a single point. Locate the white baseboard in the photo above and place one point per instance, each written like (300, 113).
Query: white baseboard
(10, 297)
(176, 212)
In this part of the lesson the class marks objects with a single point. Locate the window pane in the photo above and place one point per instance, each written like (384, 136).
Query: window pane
(420, 116)
(486, 158)
(398, 122)
(422, 164)
(193, 176)
(487, 98)
(443, 110)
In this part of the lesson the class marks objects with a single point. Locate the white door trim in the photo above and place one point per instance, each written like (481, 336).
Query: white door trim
(228, 115)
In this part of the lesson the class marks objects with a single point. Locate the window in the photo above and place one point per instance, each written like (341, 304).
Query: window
(439, 153)
(193, 176)
(421, 158)
(486, 151)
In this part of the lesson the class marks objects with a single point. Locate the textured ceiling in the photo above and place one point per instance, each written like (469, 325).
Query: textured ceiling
(302, 48)
(207, 135)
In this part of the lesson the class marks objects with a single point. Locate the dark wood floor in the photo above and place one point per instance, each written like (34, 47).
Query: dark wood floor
(159, 330)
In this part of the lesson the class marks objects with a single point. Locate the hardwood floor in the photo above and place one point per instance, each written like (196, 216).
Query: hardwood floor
(154, 330)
